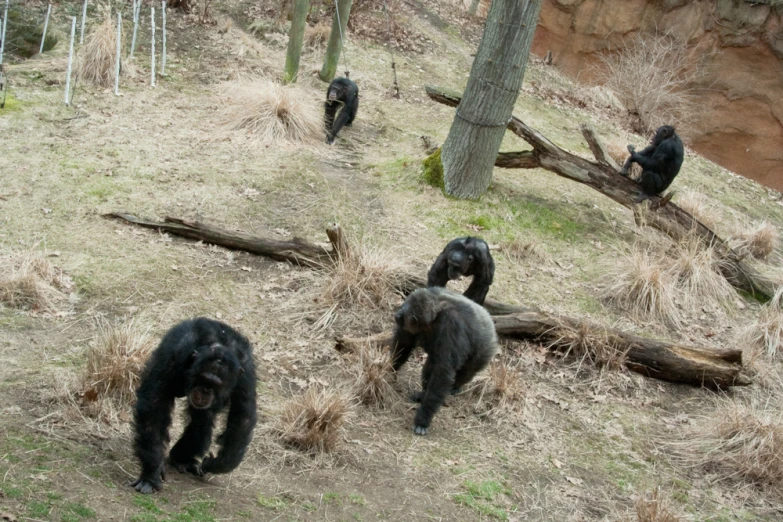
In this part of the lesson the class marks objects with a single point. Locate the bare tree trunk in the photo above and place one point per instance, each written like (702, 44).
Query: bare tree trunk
(295, 39)
(474, 139)
(336, 37)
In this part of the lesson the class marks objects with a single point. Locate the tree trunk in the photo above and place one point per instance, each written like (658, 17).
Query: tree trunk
(604, 176)
(336, 37)
(295, 39)
(474, 139)
(672, 362)
(473, 9)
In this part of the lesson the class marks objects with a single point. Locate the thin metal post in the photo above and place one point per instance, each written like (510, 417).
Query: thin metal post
(70, 62)
(163, 50)
(136, 11)
(2, 34)
(46, 26)
(84, 18)
(119, 48)
(152, 18)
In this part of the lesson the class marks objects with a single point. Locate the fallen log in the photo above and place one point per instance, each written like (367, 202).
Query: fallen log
(296, 251)
(672, 362)
(604, 176)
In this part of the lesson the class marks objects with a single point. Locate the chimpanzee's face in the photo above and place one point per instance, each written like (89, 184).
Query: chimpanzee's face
(334, 92)
(459, 264)
(213, 375)
(664, 132)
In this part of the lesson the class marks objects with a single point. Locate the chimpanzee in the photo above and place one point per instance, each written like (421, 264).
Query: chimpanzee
(458, 336)
(211, 364)
(343, 93)
(465, 256)
(660, 161)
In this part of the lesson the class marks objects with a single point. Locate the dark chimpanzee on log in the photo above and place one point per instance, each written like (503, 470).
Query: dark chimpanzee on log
(660, 161)
(212, 365)
(343, 93)
(465, 256)
(458, 336)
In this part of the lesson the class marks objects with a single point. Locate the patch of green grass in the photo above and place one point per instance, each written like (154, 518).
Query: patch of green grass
(481, 497)
(309, 507)
(433, 170)
(332, 498)
(101, 189)
(357, 499)
(196, 511)
(39, 510)
(274, 502)
(53, 496)
(147, 503)
(11, 104)
(80, 510)
(12, 492)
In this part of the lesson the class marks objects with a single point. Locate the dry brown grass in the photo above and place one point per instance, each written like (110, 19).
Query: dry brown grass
(617, 150)
(115, 362)
(365, 282)
(96, 59)
(317, 35)
(313, 421)
(638, 282)
(739, 441)
(374, 378)
(520, 250)
(700, 207)
(500, 390)
(654, 507)
(697, 270)
(591, 342)
(758, 240)
(28, 281)
(266, 113)
(766, 332)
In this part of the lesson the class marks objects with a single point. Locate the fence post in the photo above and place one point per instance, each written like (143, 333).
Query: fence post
(2, 34)
(46, 26)
(70, 62)
(163, 50)
(84, 17)
(136, 11)
(152, 18)
(119, 48)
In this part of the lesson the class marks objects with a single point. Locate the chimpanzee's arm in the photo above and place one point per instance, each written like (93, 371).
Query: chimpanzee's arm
(402, 346)
(482, 278)
(152, 417)
(660, 160)
(439, 272)
(239, 427)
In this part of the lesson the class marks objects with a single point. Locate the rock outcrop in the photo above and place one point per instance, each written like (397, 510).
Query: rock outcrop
(741, 126)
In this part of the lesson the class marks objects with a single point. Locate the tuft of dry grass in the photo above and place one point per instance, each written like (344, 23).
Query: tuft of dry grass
(374, 378)
(700, 207)
(739, 441)
(758, 240)
(267, 113)
(30, 282)
(591, 342)
(96, 59)
(115, 362)
(317, 35)
(654, 507)
(520, 250)
(501, 390)
(312, 422)
(766, 332)
(638, 282)
(697, 270)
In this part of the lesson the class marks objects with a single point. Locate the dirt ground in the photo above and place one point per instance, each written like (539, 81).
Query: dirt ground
(581, 444)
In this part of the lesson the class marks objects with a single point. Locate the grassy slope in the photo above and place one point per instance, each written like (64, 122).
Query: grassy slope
(578, 448)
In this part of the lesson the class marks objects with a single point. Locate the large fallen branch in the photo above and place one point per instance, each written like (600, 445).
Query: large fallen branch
(296, 251)
(604, 176)
(653, 358)
(657, 359)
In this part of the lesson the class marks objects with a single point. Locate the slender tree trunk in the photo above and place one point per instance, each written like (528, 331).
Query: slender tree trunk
(473, 9)
(472, 145)
(335, 46)
(295, 39)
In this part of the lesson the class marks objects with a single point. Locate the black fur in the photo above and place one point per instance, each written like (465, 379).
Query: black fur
(342, 92)
(660, 161)
(465, 256)
(212, 365)
(458, 336)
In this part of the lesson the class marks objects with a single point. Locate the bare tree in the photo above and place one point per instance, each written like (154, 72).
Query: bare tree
(472, 145)
(654, 75)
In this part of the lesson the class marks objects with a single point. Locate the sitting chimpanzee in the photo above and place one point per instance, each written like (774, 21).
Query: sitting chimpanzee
(660, 161)
(212, 365)
(458, 336)
(465, 256)
(343, 93)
